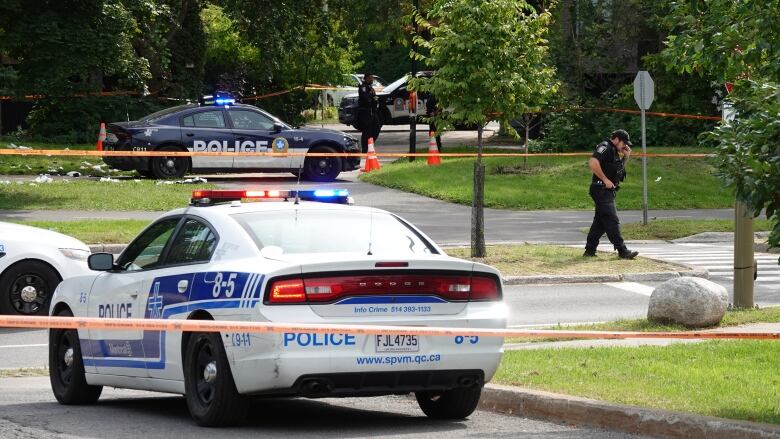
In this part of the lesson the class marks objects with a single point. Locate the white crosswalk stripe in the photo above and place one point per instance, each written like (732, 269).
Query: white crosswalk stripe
(717, 259)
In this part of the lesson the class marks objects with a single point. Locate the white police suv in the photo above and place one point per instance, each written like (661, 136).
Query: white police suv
(32, 262)
(291, 261)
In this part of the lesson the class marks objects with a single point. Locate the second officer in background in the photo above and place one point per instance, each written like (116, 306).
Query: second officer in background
(369, 121)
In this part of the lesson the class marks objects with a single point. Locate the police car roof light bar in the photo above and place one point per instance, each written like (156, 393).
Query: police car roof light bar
(213, 196)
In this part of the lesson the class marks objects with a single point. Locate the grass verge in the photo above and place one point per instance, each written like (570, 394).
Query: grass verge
(529, 260)
(729, 379)
(667, 229)
(734, 317)
(54, 165)
(95, 195)
(559, 182)
(98, 231)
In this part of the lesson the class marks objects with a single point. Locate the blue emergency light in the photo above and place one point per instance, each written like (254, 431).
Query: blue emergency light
(219, 99)
(214, 196)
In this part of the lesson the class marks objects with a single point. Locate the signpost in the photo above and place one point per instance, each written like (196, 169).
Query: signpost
(643, 95)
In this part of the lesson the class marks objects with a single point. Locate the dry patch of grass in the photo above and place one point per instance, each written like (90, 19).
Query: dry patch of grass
(530, 260)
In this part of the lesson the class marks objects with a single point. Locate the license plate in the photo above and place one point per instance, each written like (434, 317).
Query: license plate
(397, 343)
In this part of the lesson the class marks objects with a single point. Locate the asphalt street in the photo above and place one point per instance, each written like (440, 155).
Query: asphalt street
(28, 410)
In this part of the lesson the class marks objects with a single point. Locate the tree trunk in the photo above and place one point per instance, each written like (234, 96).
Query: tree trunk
(477, 209)
(527, 119)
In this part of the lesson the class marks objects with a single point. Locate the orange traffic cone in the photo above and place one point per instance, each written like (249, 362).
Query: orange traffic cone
(101, 136)
(433, 152)
(372, 162)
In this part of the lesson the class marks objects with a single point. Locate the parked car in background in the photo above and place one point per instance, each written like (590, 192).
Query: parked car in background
(393, 103)
(33, 261)
(219, 124)
(349, 86)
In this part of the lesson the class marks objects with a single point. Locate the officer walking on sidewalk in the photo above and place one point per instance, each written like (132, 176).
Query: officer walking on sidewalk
(608, 171)
(368, 118)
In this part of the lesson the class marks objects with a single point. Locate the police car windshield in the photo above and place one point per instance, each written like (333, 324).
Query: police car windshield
(398, 82)
(331, 231)
(162, 113)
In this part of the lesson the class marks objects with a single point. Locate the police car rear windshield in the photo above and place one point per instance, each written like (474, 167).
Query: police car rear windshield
(162, 113)
(331, 231)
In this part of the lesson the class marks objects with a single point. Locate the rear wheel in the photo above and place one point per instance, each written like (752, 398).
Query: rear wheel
(449, 404)
(322, 168)
(169, 167)
(211, 393)
(66, 368)
(26, 288)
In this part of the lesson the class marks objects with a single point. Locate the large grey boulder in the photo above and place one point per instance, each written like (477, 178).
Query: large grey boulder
(690, 301)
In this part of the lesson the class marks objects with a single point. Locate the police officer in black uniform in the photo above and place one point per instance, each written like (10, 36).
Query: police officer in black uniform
(368, 118)
(608, 171)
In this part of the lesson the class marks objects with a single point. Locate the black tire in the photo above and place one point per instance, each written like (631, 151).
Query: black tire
(67, 380)
(322, 168)
(26, 288)
(212, 402)
(449, 404)
(169, 167)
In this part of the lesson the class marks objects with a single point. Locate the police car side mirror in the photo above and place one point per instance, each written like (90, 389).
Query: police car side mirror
(278, 127)
(100, 261)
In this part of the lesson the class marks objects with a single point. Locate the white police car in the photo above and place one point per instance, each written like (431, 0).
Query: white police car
(290, 262)
(32, 262)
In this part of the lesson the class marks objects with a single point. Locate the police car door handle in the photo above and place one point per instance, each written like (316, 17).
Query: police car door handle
(189, 134)
(182, 286)
(241, 138)
(134, 294)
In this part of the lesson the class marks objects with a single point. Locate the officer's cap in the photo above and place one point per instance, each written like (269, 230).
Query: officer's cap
(622, 135)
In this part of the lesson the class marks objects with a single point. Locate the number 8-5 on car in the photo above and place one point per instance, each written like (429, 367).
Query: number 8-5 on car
(296, 257)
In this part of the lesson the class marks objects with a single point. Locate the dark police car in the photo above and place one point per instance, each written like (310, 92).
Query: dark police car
(393, 103)
(218, 124)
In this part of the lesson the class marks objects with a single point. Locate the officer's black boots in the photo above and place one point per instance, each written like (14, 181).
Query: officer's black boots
(589, 253)
(627, 254)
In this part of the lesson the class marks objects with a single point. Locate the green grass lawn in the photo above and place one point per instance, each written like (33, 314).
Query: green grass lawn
(677, 228)
(94, 195)
(98, 231)
(729, 379)
(34, 165)
(528, 260)
(559, 182)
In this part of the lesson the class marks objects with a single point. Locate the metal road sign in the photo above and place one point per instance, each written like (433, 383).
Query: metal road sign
(643, 90)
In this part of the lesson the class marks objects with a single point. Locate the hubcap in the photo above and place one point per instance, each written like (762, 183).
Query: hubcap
(170, 163)
(210, 372)
(68, 357)
(29, 293)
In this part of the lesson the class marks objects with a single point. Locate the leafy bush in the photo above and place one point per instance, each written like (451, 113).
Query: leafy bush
(77, 120)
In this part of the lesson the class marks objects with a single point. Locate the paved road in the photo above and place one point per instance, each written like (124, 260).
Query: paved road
(446, 223)
(28, 410)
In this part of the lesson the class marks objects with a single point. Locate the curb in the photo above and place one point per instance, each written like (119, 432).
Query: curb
(107, 248)
(616, 417)
(602, 278)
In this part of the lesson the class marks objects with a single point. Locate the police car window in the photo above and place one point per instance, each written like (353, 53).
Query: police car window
(250, 120)
(209, 119)
(326, 231)
(188, 122)
(195, 242)
(398, 82)
(147, 248)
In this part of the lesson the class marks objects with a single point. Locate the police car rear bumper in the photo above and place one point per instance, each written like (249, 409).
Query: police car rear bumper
(126, 163)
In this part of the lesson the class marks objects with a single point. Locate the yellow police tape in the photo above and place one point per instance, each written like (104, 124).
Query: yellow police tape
(268, 327)
(68, 152)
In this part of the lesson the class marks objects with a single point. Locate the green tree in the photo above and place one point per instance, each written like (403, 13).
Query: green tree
(739, 42)
(491, 62)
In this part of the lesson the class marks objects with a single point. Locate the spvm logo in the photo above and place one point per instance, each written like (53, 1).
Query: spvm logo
(226, 146)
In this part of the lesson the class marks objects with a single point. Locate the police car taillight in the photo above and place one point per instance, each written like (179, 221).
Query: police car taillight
(213, 196)
(287, 291)
(328, 289)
